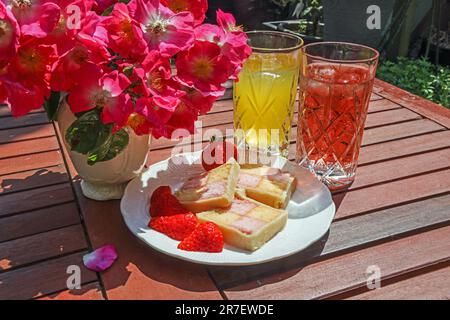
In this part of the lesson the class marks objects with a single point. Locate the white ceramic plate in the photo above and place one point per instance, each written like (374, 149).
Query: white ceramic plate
(311, 211)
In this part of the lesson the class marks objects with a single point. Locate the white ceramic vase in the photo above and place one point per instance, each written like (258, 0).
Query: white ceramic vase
(106, 180)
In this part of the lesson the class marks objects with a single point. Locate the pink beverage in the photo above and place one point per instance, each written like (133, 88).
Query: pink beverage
(333, 108)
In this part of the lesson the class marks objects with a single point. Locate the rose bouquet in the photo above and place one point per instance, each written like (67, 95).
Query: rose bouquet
(149, 66)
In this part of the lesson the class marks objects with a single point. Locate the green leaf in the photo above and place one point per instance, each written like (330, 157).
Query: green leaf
(306, 12)
(114, 145)
(108, 10)
(51, 105)
(88, 135)
(87, 132)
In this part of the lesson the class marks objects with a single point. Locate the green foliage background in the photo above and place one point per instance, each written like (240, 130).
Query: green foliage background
(418, 76)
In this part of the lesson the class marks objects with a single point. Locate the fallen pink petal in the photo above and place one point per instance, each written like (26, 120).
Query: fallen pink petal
(100, 259)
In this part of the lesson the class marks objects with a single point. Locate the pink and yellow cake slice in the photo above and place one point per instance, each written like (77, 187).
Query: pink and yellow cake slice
(210, 190)
(246, 224)
(270, 186)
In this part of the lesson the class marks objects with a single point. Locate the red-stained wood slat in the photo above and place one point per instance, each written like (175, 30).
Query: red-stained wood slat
(30, 162)
(199, 136)
(393, 193)
(27, 120)
(140, 272)
(26, 133)
(28, 147)
(429, 286)
(404, 147)
(390, 117)
(375, 97)
(401, 168)
(33, 179)
(39, 221)
(90, 291)
(215, 119)
(348, 235)
(43, 278)
(221, 106)
(415, 103)
(158, 156)
(318, 280)
(35, 199)
(399, 131)
(383, 105)
(47, 245)
(5, 112)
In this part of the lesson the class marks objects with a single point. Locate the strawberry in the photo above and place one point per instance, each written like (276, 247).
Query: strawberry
(177, 227)
(164, 203)
(207, 237)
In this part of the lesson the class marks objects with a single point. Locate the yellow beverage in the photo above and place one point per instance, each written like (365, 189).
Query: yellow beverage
(264, 101)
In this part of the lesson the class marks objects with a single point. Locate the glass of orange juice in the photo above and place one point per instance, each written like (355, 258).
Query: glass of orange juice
(265, 95)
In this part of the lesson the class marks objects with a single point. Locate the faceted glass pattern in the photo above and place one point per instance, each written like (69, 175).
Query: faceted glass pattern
(334, 98)
(264, 96)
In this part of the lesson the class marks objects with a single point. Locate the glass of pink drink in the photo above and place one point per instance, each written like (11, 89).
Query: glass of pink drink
(336, 83)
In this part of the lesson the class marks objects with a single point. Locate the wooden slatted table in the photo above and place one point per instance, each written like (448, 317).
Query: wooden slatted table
(396, 216)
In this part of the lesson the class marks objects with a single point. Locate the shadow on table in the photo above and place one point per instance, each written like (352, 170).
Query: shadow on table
(34, 179)
(25, 132)
(20, 231)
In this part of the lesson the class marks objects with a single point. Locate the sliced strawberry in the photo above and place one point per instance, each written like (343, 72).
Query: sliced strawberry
(164, 203)
(207, 237)
(177, 227)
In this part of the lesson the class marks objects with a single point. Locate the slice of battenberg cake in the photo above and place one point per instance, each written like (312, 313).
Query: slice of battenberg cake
(210, 190)
(270, 186)
(247, 224)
